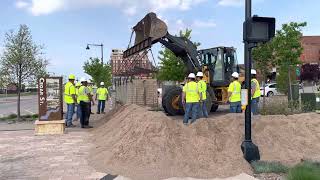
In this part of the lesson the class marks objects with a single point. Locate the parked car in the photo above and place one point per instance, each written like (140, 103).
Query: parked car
(271, 89)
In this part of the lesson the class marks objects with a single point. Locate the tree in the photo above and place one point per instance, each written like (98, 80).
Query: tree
(287, 50)
(22, 60)
(98, 72)
(264, 60)
(172, 68)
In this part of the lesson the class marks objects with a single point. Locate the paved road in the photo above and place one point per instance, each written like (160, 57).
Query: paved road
(29, 105)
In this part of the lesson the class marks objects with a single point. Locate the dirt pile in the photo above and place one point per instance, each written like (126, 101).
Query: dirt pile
(143, 144)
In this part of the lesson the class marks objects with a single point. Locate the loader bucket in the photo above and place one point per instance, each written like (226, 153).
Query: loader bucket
(147, 32)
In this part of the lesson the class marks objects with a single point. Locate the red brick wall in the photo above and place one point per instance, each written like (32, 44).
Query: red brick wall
(311, 49)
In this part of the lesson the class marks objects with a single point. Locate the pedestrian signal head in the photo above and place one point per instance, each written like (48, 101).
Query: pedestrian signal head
(235, 75)
(72, 77)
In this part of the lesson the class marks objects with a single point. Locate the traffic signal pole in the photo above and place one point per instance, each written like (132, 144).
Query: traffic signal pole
(249, 149)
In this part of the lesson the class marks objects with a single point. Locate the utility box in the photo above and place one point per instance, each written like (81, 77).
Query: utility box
(310, 101)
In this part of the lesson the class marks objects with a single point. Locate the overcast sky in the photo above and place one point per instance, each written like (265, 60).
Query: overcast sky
(66, 26)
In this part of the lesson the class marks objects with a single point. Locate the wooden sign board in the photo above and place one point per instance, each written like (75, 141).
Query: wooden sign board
(50, 98)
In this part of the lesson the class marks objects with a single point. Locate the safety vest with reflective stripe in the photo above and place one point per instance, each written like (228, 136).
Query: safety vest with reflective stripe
(257, 92)
(83, 94)
(102, 93)
(69, 90)
(235, 89)
(192, 92)
(203, 89)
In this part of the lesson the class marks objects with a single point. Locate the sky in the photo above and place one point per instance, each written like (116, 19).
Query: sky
(65, 27)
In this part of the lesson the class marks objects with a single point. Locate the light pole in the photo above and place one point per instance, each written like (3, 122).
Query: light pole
(101, 45)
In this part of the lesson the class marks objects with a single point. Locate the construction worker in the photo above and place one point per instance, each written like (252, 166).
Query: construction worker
(70, 99)
(78, 85)
(101, 96)
(190, 99)
(203, 91)
(90, 86)
(85, 99)
(255, 92)
(234, 94)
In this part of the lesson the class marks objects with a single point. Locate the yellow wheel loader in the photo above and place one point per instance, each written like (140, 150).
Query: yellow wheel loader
(217, 64)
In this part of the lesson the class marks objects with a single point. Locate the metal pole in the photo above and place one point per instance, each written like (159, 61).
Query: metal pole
(102, 53)
(249, 149)
(247, 60)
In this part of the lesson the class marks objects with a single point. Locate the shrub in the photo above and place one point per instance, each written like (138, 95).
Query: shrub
(278, 106)
(268, 167)
(12, 116)
(305, 171)
(35, 116)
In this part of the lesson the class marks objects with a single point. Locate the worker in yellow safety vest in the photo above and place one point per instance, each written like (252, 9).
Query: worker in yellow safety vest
(190, 99)
(85, 99)
(102, 97)
(78, 84)
(70, 99)
(255, 92)
(203, 112)
(234, 94)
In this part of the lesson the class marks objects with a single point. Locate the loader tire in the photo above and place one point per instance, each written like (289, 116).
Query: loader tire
(214, 107)
(171, 101)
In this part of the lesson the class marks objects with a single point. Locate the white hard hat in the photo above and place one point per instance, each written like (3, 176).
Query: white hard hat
(192, 75)
(89, 81)
(83, 79)
(102, 83)
(199, 74)
(253, 71)
(235, 75)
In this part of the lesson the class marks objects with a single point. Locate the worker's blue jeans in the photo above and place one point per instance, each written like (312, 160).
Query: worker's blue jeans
(78, 111)
(193, 109)
(101, 106)
(235, 107)
(203, 112)
(254, 106)
(70, 112)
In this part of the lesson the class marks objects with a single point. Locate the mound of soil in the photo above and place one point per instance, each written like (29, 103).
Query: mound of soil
(147, 145)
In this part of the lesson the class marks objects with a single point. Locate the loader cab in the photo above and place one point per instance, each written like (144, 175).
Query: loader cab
(220, 63)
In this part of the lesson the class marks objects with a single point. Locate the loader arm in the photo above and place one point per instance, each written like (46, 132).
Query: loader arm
(151, 30)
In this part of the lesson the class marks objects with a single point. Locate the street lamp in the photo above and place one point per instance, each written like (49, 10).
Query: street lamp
(101, 45)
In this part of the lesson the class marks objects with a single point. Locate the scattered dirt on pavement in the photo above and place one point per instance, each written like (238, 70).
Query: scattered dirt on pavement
(148, 145)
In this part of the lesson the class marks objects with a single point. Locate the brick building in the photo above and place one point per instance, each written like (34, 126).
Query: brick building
(311, 49)
(140, 61)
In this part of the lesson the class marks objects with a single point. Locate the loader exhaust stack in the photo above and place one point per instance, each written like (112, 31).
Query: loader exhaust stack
(147, 32)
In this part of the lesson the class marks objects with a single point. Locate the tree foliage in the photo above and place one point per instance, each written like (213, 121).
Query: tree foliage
(172, 68)
(98, 72)
(287, 52)
(22, 60)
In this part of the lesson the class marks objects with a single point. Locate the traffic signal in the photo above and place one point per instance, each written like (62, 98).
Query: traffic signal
(259, 29)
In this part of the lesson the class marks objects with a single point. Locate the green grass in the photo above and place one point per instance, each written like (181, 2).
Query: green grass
(305, 171)
(269, 167)
(13, 117)
(15, 95)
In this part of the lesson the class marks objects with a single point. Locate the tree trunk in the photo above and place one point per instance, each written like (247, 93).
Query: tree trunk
(19, 93)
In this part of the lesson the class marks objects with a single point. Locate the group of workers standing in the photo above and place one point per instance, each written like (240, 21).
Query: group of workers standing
(194, 96)
(234, 93)
(81, 95)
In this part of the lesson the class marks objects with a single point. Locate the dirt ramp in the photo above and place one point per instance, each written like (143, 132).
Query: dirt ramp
(150, 145)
